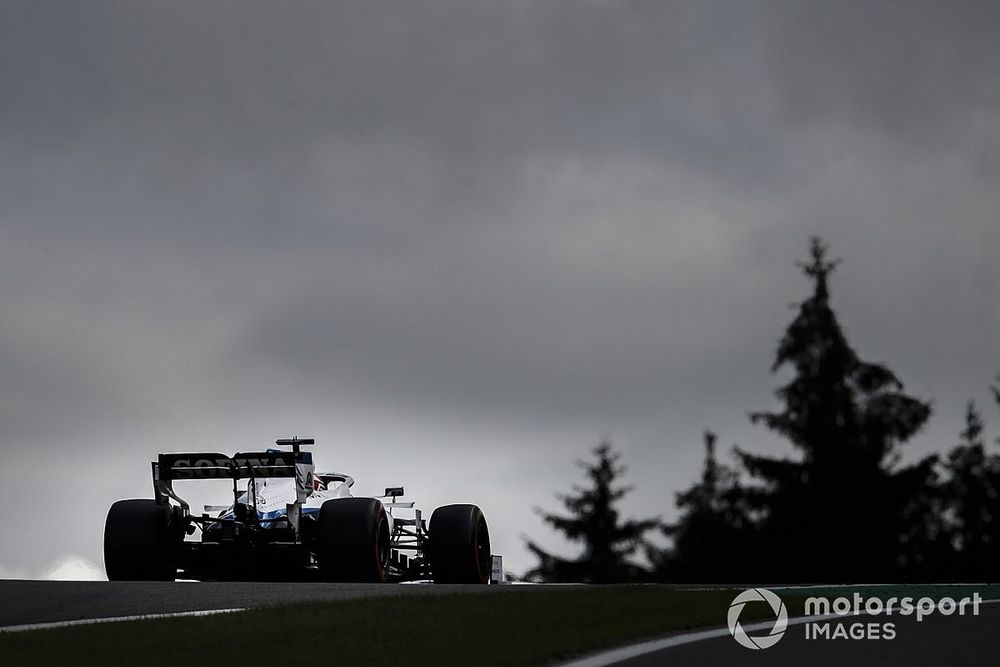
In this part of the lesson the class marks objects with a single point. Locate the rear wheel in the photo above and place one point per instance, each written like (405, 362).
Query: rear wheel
(139, 543)
(353, 538)
(460, 545)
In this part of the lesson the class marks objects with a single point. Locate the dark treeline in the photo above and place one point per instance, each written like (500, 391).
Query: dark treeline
(842, 509)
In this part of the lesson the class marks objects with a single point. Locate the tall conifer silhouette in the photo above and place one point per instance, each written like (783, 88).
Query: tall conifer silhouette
(837, 511)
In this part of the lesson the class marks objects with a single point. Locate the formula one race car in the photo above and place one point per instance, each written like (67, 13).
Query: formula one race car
(289, 522)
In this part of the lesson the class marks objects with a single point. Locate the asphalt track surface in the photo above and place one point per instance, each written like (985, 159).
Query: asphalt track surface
(955, 641)
(24, 602)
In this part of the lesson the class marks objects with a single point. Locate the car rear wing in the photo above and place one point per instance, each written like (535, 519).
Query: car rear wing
(219, 466)
(212, 465)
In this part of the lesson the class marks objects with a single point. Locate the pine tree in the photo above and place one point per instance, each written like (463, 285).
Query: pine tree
(972, 507)
(838, 512)
(593, 520)
(713, 523)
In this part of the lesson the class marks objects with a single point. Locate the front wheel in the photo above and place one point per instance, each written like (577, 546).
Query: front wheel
(460, 545)
(353, 540)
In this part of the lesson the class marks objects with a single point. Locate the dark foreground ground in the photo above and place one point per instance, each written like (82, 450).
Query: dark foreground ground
(445, 625)
(426, 625)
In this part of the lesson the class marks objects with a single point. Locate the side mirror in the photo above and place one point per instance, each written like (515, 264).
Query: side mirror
(393, 491)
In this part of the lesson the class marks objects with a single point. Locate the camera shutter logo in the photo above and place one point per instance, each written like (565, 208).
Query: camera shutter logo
(780, 623)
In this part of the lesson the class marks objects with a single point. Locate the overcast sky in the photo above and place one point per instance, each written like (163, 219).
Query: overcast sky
(459, 243)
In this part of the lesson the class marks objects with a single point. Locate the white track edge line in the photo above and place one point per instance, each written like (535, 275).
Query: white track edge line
(116, 619)
(635, 650)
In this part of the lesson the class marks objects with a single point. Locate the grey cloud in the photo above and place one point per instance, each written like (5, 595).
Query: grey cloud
(505, 228)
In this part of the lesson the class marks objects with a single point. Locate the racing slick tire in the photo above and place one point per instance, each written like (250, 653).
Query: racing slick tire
(353, 540)
(459, 545)
(139, 542)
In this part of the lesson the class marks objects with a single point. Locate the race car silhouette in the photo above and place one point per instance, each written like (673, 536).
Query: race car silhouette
(289, 522)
